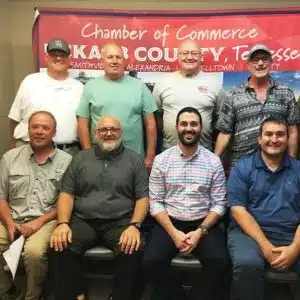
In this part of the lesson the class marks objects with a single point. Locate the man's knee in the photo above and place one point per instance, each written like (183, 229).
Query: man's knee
(34, 252)
(247, 264)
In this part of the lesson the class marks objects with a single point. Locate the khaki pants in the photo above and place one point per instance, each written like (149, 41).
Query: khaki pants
(34, 260)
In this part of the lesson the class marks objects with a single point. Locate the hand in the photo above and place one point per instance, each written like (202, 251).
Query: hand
(149, 161)
(287, 256)
(268, 253)
(179, 239)
(11, 231)
(192, 240)
(130, 240)
(61, 236)
(31, 227)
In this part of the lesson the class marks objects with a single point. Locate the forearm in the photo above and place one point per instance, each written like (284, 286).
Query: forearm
(141, 210)
(296, 240)
(64, 207)
(249, 225)
(211, 219)
(151, 135)
(83, 133)
(164, 220)
(222, 142)
(293, 141)
(5, 213)
(47, 217)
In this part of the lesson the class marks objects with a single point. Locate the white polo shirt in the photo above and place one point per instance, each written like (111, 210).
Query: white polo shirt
(39, 91)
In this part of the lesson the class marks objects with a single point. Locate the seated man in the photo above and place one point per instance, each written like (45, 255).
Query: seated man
(104, 195)
(187, 199)
(263, 193)
(28, 178)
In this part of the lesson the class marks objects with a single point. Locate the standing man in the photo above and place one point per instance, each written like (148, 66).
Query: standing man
(248, 105)
(263, 193)
(54, 91)
(104, 195)
(188, 87)
(28, 189)
(122, 96)
(187, 199)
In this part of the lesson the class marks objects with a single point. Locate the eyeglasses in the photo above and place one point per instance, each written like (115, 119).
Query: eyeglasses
(58, 54)
(104, 130)
(256, 59)
(191, 53)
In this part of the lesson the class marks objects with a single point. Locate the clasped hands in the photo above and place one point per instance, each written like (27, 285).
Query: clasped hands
(186, 242)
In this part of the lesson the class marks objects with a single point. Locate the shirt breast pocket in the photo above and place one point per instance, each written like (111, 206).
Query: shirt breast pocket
(52, 185)
(18, 184)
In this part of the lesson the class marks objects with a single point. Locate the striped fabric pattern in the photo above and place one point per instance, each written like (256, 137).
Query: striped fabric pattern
(187, 188)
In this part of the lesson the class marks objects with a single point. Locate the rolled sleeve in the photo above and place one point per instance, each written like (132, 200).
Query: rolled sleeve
(149, 105)
(3, 179)
(237, 188)
(218, 191)
(156, 188)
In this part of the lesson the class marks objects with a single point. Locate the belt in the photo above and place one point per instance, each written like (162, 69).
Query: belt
(65, 146)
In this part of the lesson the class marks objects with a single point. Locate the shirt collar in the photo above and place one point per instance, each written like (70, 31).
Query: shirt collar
(179, 151)
(246, 86)
(259, 163)
(108, 155)
(31, 153)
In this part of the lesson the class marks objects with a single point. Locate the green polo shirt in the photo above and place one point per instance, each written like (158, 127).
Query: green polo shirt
(106, 185)
(128, 100)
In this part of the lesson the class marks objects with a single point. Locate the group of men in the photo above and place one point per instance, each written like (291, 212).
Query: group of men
(103, 193)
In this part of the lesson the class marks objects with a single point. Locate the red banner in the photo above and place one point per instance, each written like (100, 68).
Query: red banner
(150, 39)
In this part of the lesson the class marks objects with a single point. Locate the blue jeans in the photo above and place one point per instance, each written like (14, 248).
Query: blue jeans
(248, 266)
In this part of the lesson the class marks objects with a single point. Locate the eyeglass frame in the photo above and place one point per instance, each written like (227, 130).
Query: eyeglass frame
(104, 130)
(191, 53)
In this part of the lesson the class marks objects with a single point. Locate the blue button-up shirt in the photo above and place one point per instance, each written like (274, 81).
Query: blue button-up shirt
(272, 198)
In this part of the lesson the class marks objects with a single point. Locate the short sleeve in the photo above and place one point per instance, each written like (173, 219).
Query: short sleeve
(226, 119)
(3, 179)
(83, 109)
(149, 106)
(141, 178)
(15, 112)
(293, 110)
(237, 185)
(68, 184)
(157, 96)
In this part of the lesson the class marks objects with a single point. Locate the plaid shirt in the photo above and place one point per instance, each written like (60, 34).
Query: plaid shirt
(187, 188)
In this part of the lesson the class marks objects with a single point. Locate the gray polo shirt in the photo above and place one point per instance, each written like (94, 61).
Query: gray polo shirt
(30, 188)
(106, 186)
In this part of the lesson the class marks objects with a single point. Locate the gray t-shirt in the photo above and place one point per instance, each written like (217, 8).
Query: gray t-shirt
(203, 92)
(106, 186)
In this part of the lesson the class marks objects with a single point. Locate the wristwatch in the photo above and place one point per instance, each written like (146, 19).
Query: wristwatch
(137, 225)
(203, 229)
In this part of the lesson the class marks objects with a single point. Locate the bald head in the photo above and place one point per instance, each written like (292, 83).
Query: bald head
(113, 61)
(189, 44)
(109, 121)
(189, 58)
(106, 48)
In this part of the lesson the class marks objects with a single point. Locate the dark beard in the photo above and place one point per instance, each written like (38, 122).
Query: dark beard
(191, 143)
